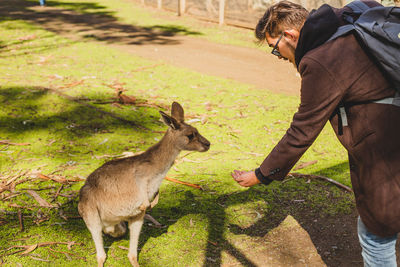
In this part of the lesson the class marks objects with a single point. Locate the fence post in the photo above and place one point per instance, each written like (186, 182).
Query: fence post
(181, 7)
(221, 11)
(159, 4)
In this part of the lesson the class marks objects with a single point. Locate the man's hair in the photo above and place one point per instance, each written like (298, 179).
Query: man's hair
(279, 17)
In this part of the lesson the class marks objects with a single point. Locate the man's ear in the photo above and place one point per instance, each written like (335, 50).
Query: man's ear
(169, 121)
(291, 34)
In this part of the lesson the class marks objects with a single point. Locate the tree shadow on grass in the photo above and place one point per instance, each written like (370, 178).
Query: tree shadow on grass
(28, 109)
(332, 229)
(315, 204)
(90, 20)
(68, 131)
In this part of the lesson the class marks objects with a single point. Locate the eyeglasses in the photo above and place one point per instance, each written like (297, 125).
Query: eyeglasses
(275, 50)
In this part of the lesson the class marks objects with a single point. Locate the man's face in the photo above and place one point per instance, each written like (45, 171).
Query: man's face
(286, 45)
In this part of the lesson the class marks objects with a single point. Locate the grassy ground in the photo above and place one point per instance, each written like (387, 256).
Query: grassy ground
(58, 117)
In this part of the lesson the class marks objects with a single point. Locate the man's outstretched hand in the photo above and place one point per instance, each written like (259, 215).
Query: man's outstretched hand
(245, 179)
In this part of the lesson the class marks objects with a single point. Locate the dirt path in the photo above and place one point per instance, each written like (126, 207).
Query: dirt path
(246, 65)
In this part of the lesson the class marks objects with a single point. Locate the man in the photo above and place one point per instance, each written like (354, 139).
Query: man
(337, 74)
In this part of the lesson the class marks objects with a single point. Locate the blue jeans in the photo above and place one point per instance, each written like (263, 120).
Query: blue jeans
(376, 251)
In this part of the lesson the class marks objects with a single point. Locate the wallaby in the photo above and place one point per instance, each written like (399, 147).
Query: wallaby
(122, 189)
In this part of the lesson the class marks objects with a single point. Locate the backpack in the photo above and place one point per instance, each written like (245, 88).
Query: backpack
(377, 30)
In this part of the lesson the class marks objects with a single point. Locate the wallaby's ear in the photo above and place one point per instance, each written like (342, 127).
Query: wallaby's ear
(169, 121)
(177, 112)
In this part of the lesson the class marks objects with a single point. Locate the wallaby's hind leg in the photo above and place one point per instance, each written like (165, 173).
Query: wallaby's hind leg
(93, 223)
(135, 225)
(96, 232)
(115, 231)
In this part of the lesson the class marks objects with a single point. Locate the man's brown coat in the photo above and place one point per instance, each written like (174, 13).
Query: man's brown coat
(340, 71)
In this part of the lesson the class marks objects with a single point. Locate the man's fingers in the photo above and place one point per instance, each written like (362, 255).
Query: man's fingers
(243, 183)
(241, 178)
(236, 174)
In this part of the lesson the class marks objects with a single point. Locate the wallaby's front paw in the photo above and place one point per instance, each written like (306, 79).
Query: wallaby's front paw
(154, 201)
(144, 206)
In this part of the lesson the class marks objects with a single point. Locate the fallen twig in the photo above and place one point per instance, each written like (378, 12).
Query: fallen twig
(40, 200)
(11, 186)
(10, 195)
(38, 259)
(184, 183)
(29, 248)
(213, 243)
(70, 85)
(57, 193)
(14, 205)
(7, 142)
(299, 175)
(154, 221)
(67, 254)
(21, 221)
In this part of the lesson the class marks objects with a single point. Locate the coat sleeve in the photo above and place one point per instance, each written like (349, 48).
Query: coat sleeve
(321, 94)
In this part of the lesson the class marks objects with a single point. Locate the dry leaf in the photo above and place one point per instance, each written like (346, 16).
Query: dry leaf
(39, 199)
(27, 37)
(29, 249)
(57, 179)
(69, 85)
(125, 99)
(38, 259)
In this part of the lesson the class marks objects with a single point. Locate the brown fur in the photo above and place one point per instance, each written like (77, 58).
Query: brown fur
(121, 190)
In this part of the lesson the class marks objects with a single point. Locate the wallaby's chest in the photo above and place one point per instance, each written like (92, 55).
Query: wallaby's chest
(154, 185)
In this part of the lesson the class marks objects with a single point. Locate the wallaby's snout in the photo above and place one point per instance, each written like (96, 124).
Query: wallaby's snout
(205, 144)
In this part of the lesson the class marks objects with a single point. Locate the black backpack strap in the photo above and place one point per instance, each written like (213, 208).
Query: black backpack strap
(342, 30)
(358, 6)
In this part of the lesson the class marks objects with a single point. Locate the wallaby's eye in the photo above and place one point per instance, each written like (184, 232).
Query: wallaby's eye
(190, 136)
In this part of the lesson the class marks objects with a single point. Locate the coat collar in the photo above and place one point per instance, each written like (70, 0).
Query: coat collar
(317, 29)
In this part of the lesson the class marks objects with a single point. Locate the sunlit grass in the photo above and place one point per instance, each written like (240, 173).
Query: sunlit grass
(72, 137)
